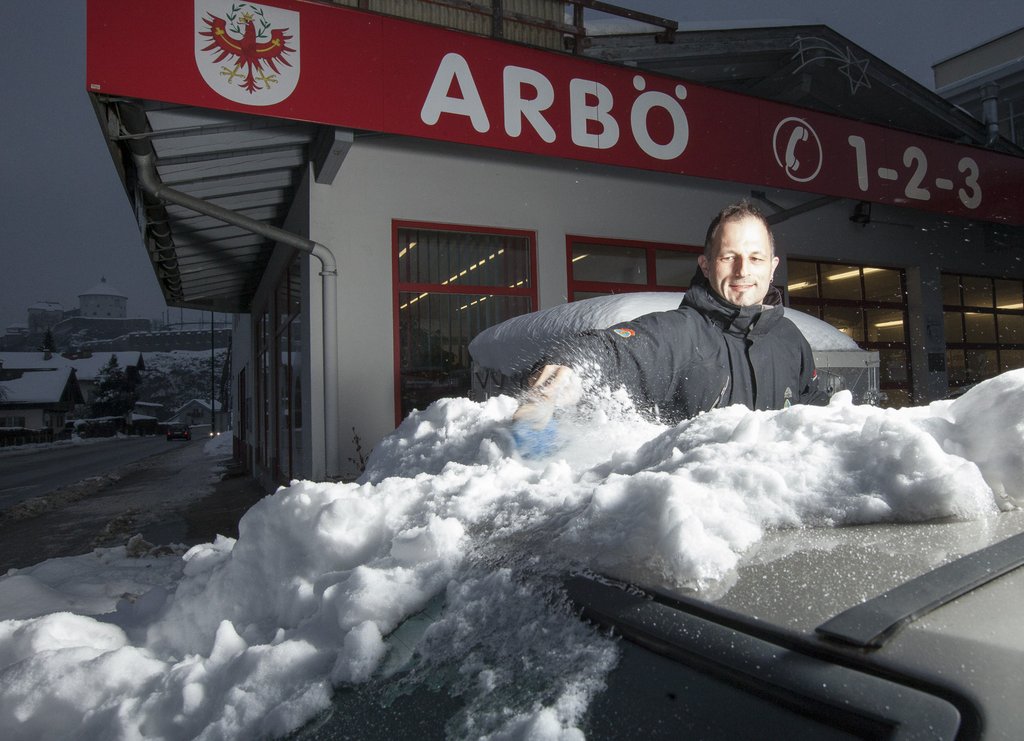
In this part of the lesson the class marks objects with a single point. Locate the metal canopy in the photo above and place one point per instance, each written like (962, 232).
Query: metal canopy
(808, 66)
(251, 165)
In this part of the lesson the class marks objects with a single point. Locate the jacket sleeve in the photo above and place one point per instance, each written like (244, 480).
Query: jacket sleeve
(642, 354)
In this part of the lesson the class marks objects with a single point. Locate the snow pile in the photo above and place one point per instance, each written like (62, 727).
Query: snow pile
(249, 637)
(87, 585)
(516, 344)
(218, 445)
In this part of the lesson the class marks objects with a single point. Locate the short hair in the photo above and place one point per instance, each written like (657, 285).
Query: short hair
(735, 212)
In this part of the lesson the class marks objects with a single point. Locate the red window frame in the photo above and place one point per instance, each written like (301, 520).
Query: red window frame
(651, 249)
(398, 287)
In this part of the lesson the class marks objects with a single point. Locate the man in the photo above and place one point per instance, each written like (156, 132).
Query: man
(727, 343)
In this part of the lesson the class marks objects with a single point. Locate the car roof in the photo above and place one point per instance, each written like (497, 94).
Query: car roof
(935, 605)
(802, 578)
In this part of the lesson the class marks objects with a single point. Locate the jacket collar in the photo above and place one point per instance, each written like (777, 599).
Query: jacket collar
(730, 318)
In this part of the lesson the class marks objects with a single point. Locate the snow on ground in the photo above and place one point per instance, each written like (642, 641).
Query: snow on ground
(245, 639)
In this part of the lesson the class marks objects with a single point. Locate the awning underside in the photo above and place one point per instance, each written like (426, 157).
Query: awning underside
(248, 164)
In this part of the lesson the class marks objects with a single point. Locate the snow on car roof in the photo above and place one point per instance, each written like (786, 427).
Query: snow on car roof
(516, 344)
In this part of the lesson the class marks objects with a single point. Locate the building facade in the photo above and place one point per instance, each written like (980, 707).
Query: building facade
(103, 301)
(35, 400)
(465, 180)
(44, 315)
(988, 82)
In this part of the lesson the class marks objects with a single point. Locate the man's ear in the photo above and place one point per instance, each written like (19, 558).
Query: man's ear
(702, 262)
(775, 264)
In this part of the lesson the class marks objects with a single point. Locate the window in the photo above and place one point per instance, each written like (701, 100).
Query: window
(263, 393)
(599, 267)
(451, 282)
(242, 432)
(868, 304)
(278, 422)
(288, 310)
(984, 326)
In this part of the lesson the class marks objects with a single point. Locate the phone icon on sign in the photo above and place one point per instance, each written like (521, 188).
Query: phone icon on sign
(797, 149)
(798, 134)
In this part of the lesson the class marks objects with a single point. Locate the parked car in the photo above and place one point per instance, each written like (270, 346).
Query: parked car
(896, 631)
(179, 432)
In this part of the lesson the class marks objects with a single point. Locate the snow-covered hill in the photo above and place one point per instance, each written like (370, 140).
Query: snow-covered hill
(173, 378)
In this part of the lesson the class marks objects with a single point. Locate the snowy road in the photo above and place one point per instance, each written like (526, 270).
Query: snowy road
(145, 496)
(35, 472)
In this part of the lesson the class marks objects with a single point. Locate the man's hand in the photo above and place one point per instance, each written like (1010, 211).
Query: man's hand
(552, 386)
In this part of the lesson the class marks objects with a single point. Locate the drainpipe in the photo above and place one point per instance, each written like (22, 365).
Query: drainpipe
(150, 181)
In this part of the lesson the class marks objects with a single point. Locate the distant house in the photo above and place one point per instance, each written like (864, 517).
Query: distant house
(38, 399)
(145, 417)
(197, 412)
(14, 337)
(44, 315)
(87, 366)
(147, 409)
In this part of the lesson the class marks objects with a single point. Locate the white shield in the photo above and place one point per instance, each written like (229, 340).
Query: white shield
(247, 52)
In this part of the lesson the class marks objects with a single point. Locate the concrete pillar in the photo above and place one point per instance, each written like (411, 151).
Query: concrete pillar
(927, 333)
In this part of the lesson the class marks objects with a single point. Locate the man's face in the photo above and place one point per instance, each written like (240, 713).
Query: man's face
(741, 267)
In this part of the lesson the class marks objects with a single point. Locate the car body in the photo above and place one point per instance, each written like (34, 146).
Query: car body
(896, 631)
(179, 432)
(879, 631)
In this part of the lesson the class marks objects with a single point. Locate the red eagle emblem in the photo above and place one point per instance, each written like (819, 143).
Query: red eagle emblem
(251, 51)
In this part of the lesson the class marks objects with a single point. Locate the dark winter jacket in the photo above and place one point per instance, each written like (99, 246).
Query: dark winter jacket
(705, 354)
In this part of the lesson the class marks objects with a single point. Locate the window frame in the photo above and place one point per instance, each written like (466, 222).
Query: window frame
(398, 287)
(998, 346)
(651, 249)
(275, 377)
(816, 306)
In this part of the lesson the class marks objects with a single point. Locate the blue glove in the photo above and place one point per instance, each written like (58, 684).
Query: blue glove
(535, 442)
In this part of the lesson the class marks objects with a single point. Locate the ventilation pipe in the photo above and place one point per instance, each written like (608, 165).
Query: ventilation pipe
(145, 166)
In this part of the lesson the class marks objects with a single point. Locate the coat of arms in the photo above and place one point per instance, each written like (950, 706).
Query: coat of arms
(247, 53)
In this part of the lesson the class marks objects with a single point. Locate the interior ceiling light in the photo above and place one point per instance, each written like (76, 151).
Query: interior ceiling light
(801, 285)
(473, 303)
(893, 323)
(852, 273)
(474, 266)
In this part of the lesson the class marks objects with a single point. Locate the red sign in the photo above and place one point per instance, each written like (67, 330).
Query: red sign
(341, 67)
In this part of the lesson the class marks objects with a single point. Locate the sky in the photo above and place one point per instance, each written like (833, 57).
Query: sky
(246, 638)
(65, 221)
